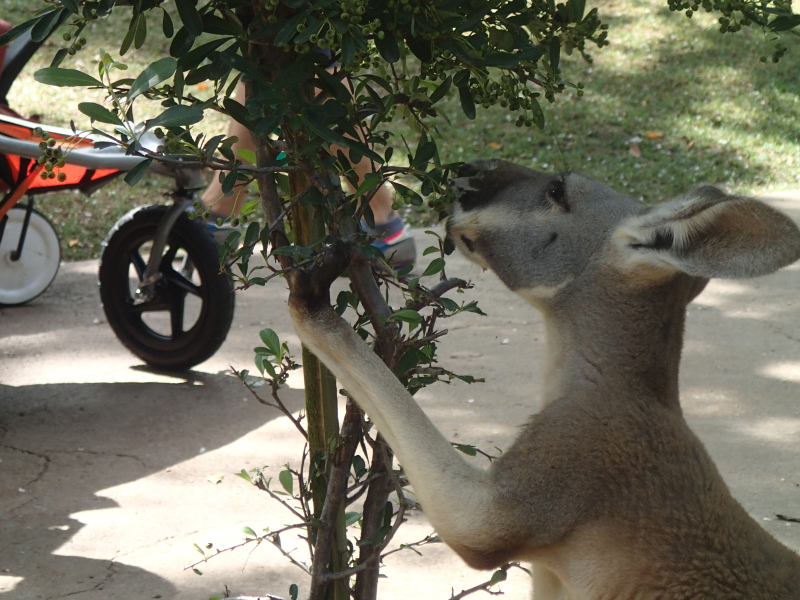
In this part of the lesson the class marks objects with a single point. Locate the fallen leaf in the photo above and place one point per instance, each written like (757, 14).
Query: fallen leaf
(495, 145)
(654, 135)
(214, 479)
(634, 150)
(72, 243)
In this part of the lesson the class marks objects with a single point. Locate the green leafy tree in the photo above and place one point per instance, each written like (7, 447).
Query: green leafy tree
(324, 81)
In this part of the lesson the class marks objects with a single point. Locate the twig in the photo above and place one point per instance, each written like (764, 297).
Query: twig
(428, 539)
(258, 539)
(262, 485)
(484, 587)
(278, 404)
(788, 519)
(440, 289)
(275, 272)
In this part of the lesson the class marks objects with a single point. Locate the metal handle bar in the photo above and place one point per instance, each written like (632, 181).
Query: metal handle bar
(187, 175)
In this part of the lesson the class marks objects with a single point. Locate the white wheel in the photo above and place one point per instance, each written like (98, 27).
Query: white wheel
(23, 279)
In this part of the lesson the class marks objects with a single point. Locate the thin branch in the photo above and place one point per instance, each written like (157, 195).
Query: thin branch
(258, 539)
(484, 587)
(262, 485)
(278, 404)
(428, 539)
(275, 272)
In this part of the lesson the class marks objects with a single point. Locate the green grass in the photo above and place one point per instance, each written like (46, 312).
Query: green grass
(714, 112)
(669, 105)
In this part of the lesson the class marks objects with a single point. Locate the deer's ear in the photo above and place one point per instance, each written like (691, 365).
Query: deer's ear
(711, 234)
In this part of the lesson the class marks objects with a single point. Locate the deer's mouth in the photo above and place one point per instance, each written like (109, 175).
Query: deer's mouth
(468, 243)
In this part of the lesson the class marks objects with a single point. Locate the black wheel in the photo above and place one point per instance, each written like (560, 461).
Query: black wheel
(189, 315)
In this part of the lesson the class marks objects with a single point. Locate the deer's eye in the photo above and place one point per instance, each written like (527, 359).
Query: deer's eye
(556, 195)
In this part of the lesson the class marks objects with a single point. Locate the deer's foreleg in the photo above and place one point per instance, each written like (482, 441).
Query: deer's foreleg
(457, 498)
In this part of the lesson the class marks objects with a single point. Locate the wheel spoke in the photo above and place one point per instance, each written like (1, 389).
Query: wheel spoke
(138, 262)
(176, 315)
(169, 255)
(182, 282)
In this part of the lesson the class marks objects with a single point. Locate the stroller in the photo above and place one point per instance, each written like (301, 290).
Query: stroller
(160, 283)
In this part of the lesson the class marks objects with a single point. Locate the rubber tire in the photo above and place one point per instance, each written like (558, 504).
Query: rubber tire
(178, 348)
(23, 280)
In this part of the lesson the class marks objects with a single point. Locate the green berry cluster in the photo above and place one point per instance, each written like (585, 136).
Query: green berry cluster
(52, 158)
(78, 43)
(736, 14)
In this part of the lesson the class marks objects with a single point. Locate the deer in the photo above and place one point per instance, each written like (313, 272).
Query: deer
(606, 491)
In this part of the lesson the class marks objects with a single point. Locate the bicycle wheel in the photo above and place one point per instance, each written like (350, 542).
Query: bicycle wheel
(25, 278)
(189, 315)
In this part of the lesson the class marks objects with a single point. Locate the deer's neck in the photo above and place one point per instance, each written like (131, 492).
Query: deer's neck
(612, 348)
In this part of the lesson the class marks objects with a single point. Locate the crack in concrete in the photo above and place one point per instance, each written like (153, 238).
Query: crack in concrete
(100, 453)
(111, 571)
(47, 460)
(775, 328)
(154, 543)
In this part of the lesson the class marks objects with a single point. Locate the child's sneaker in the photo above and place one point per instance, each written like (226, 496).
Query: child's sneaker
(395, 241)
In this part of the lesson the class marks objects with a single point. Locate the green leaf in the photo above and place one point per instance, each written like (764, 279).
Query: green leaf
(140, 34)
(65, 78)
(289, 29)
(181, 43)
(388, 47)
(351, 517)
(498, 576)
(437, 264)
(99, 112)
(555, 52)
(537, 114)
(71, 6)
(441, 91)
(784, 22)
(133, 176)
(467, 449)
(263, 364)
(287, 481)
(412, 317)
(153, 74)
(251, 234)
(128, 39)
(245, 475)
(166, 25)
(248, 531)
(177, 116)
(270, 338)
(348, 49)
(46, 23)
(247, 155)
(467, 102)
(425, 152)
(371, 180)
(293, 591)
(190, 17)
